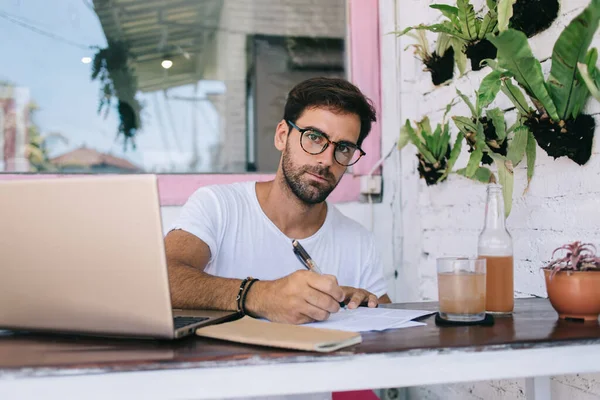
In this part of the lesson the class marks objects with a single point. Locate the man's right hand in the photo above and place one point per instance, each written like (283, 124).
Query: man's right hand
(298, 298)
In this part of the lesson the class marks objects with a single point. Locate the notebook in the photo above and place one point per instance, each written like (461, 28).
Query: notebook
(263, 333)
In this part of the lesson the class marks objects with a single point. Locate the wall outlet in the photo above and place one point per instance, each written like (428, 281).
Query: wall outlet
(370, 184)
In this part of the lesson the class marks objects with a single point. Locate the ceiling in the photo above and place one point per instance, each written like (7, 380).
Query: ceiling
(154, 29)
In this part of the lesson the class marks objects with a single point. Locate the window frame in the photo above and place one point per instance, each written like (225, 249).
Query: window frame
(362, 43)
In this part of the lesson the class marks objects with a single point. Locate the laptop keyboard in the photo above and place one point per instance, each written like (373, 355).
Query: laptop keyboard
(180, 322)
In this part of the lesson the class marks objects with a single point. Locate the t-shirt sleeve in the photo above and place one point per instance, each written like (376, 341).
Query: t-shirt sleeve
(200, 216)
(372, 275)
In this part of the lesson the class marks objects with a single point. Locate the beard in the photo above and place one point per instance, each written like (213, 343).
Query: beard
(308, 192)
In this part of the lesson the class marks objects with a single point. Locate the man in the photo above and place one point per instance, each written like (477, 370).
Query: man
(228, 233)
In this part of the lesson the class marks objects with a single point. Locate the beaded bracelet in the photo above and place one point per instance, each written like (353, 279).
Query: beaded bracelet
(238, 299)
(245, 294)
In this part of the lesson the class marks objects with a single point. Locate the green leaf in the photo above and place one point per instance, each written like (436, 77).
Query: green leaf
(449, 12)
(483, 174)
(444, 141)
(517, 146)
(505, 13)
(514, 54)
(465, 125)
(460, 58)
(480, 136)
(515, 96)
(431, 145)
(435, 142)
(448, 108)
(404, 137)
(425, 125)
(444, 27)
(488, 90)
(506, 178)
(488, 25)
(491, 4)
(571, 48)
(466, 17)
(468, 103)
(454, 153)
(497, 117)
(416, 140)
(582, 91)
(587, 78)
(442, 44)
(474, 161)
(493, 64)
(531, 152)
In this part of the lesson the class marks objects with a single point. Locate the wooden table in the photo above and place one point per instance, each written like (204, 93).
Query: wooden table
(531, 343)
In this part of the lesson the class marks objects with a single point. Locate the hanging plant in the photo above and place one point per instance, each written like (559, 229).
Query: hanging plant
(534, 16)
(557, 123)
(489, 128)
(435, 154)
(468, 32)
(490, 141)
(111, 66)
(440, 63)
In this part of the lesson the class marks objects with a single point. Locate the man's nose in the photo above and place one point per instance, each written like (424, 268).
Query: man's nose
(327, 156)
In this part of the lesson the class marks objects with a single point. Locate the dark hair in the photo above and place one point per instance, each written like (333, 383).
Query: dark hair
(335, 94)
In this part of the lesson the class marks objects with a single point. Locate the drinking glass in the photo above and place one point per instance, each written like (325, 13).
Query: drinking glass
(461, 288)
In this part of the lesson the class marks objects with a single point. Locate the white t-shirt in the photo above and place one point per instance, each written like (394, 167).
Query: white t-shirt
(244, 242)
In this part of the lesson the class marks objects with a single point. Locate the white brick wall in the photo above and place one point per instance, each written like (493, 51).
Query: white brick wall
(561, 206)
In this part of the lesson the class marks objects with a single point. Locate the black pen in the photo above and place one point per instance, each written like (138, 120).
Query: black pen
(308, 262)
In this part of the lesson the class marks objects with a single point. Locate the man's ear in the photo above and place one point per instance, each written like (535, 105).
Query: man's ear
(281, 135)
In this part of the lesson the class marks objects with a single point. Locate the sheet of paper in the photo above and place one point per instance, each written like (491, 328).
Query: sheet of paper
(409, 324)
(365, 319)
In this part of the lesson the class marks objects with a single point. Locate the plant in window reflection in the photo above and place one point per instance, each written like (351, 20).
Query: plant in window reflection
(35, 150)
(557, 122)
(111, 66)
(435, 154)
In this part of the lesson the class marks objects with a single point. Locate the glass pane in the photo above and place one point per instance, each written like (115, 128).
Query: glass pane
(178, 86)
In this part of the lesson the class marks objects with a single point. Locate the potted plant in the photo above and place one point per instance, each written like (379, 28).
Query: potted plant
(573, 282)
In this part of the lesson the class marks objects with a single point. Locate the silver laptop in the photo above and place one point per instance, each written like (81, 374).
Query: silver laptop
(86, 255)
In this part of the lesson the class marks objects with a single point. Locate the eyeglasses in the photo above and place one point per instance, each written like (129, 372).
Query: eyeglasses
(315, 142)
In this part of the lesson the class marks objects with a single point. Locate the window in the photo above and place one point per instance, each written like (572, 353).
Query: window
(188, 81)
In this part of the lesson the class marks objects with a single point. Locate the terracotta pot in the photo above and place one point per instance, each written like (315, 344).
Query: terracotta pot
(575, 294)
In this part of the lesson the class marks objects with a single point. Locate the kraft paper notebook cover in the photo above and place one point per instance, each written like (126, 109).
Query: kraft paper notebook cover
(253, 331)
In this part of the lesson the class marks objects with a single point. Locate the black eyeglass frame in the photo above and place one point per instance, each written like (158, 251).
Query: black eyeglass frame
(335, 144)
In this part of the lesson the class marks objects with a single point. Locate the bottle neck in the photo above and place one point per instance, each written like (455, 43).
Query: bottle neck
(494, 210)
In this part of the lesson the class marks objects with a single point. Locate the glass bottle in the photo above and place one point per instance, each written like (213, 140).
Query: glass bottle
(495, 245)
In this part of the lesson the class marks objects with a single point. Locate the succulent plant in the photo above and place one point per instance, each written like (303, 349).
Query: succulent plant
(578, 257)
(435, 153)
